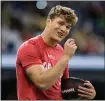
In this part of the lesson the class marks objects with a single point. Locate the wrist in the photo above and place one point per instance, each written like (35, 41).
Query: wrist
(66, 57)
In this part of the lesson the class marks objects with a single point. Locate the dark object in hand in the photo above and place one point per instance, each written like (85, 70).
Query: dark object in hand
(69, 88)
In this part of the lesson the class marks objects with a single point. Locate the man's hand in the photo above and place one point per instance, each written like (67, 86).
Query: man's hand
(89, 92)
(70, 47)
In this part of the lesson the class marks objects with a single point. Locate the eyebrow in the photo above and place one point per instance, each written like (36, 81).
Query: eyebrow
(70, 25)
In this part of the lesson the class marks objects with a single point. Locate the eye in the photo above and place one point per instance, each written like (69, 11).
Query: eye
(68, 27)
(61, 23)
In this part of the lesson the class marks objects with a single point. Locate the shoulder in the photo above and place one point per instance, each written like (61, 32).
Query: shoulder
(29, 46)
(31, 42)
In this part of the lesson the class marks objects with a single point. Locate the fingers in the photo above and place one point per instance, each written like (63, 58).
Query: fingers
(85, 89)
(70, 47)
(90, 96)
(84, 92)
(82, 95)
(69, 40)
(72, 42)
(87, 83)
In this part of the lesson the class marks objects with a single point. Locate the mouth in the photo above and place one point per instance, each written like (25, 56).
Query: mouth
(60, 34)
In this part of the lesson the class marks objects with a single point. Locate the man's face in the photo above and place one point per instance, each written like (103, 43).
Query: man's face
(59, 28)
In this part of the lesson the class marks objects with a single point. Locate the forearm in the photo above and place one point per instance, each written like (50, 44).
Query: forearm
(49, 77)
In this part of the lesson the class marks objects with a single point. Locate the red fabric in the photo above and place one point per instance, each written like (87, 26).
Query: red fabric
(35, 51)
(66, 73)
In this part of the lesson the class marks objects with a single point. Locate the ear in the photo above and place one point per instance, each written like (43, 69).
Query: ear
(48, 22)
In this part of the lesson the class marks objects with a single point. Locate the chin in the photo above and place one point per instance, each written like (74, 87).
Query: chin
(58, 39)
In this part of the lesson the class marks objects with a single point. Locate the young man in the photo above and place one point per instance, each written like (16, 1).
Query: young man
(42, 62)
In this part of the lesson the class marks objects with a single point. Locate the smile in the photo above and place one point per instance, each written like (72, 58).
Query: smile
(60, 34)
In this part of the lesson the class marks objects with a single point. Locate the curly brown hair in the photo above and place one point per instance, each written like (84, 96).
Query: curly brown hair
(68, 14)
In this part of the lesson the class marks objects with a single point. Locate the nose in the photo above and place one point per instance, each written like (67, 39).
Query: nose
(63, 29)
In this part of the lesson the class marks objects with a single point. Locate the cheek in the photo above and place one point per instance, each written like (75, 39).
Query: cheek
(56, 26)
(55, 29)
(66, 34)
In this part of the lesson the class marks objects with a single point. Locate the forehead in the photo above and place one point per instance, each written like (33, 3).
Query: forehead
(61, 19)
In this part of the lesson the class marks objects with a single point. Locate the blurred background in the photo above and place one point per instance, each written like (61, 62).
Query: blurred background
(21, 20)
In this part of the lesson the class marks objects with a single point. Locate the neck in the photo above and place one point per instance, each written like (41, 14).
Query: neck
(47, 38)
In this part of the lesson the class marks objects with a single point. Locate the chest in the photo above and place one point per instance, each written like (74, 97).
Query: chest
(50, 57)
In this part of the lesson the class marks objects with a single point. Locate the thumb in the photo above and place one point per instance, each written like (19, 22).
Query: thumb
(88, 84)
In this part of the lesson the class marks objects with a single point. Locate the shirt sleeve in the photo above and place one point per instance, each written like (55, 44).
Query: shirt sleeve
(66, 73)
(29, 55)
